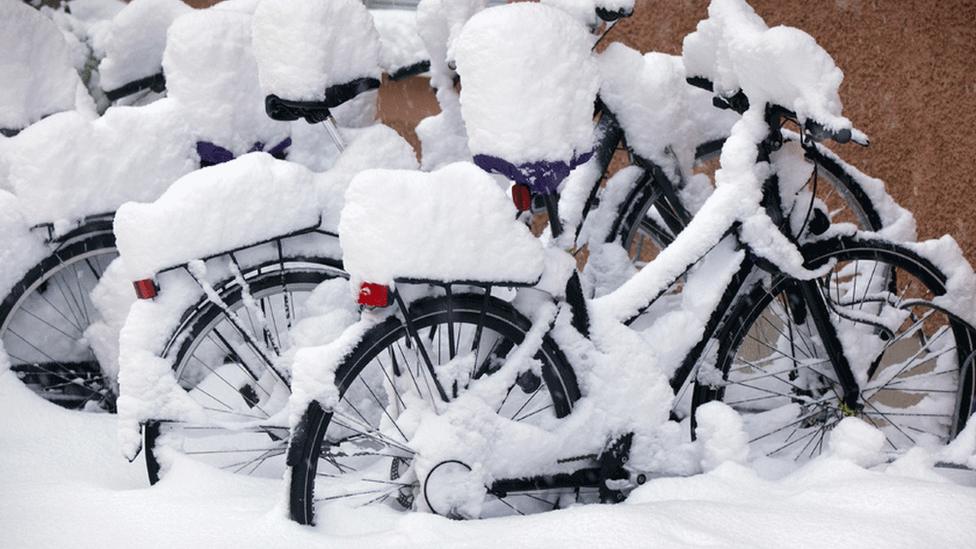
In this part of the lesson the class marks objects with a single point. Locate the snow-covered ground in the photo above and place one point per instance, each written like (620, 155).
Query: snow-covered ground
(63, 483)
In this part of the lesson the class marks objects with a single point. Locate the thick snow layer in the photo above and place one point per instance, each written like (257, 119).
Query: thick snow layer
(134, 44)
(439, 22)
(134, 153)
(256, 188)
(529, 83)
(83, 479)
(451, 224)
(945, 254)
(112, 297)
(36, 70)
(401, 46)
(68, 166)
(305, 46)
(662, 116)
(377, 146)
(785, 66)
(195, 217)
(211, 70)
(856, 440)
(443, 137)
(96, 10)
(22, 248)
(721, 435)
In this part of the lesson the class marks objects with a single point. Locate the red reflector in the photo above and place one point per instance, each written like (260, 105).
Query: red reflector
(521, 197)
(374, 295)
(145, 288)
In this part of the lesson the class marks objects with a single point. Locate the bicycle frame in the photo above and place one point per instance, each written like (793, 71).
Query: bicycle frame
(644, 289)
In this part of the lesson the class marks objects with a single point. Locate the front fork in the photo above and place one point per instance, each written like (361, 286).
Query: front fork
(817, 310)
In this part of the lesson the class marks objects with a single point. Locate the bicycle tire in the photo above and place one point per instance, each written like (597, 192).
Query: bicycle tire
(786, 384)
(193, 341)
(43, 331)
(492, 314)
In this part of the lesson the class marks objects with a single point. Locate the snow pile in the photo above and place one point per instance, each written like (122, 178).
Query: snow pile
(401, 46)
(721, 435)
(134, 153)
(443, 137)
(377, 146)
(135, 41)
(585, 10)
(662, 116)
(189, 215)
(305, 46)
(451, 224)
(960, 286)
(211, 71)
(112, 297)
(195, 217)
(825, 503)
(22, 248)
(853, 439)
(68, 166)
(784, 66)
(962, 450)
(95, 10)
(36, 68)
(529, 83)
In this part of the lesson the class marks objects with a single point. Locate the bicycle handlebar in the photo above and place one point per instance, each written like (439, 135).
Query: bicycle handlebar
(609, 16)
(740, 104)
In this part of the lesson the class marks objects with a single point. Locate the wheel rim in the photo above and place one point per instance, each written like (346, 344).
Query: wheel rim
(43, 332)
(909, 356)
(247, 430)
(382, 393)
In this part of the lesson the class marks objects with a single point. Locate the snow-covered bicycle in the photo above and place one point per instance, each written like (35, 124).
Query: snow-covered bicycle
(492, 386)
(230, 349)
(67, 170)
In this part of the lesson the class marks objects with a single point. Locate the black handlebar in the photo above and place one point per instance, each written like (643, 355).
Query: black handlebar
(740, 104)
(610, 16)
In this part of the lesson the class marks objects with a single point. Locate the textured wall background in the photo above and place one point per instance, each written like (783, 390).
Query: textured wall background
(910, 83)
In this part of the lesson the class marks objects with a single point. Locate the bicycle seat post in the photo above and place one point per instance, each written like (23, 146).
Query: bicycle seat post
(333, 128)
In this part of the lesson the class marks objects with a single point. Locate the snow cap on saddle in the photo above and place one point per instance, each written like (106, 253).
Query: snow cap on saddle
(317, 53)
(36, 75)
(134, 45)
(212, 75)
(453, 224)
(529, 84)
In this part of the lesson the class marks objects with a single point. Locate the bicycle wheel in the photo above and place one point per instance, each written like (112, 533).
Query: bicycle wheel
(234, 375)
(643, 232)
(43, 322)
(911, 358)
(358, 453)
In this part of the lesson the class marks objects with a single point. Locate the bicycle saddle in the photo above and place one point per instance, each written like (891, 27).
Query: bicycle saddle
(317, 111)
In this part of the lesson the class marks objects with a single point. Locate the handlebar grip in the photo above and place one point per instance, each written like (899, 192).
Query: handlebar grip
(700, 82)
(820, 133)
(610, 16)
